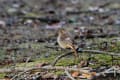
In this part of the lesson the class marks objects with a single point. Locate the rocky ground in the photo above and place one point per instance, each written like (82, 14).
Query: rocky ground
(28, 32)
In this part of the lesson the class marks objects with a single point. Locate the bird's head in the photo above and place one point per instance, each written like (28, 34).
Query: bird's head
(61, 31)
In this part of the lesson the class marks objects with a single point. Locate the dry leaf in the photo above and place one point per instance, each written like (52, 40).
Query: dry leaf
(75, 74)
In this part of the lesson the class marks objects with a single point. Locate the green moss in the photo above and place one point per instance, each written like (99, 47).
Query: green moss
(2, 75)
(59, 73)
(103, 57)
(65, 62)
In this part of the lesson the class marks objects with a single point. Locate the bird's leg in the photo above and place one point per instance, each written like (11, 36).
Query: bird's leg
(76, 59)
(75, 54)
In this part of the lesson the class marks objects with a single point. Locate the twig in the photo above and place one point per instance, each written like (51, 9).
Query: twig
(86, 51)
(6, 70)
(81, 70)
(112, 69)
(27, 60)
(68, 74)
(59, 57)
(44, 68)
(100, 52)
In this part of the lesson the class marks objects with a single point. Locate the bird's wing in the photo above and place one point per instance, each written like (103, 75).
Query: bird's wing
(67, 38)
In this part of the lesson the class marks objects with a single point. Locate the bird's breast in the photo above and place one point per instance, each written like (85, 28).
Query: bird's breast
(61, 43)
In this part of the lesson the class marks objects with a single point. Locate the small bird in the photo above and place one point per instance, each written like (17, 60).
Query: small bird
(65, 41)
